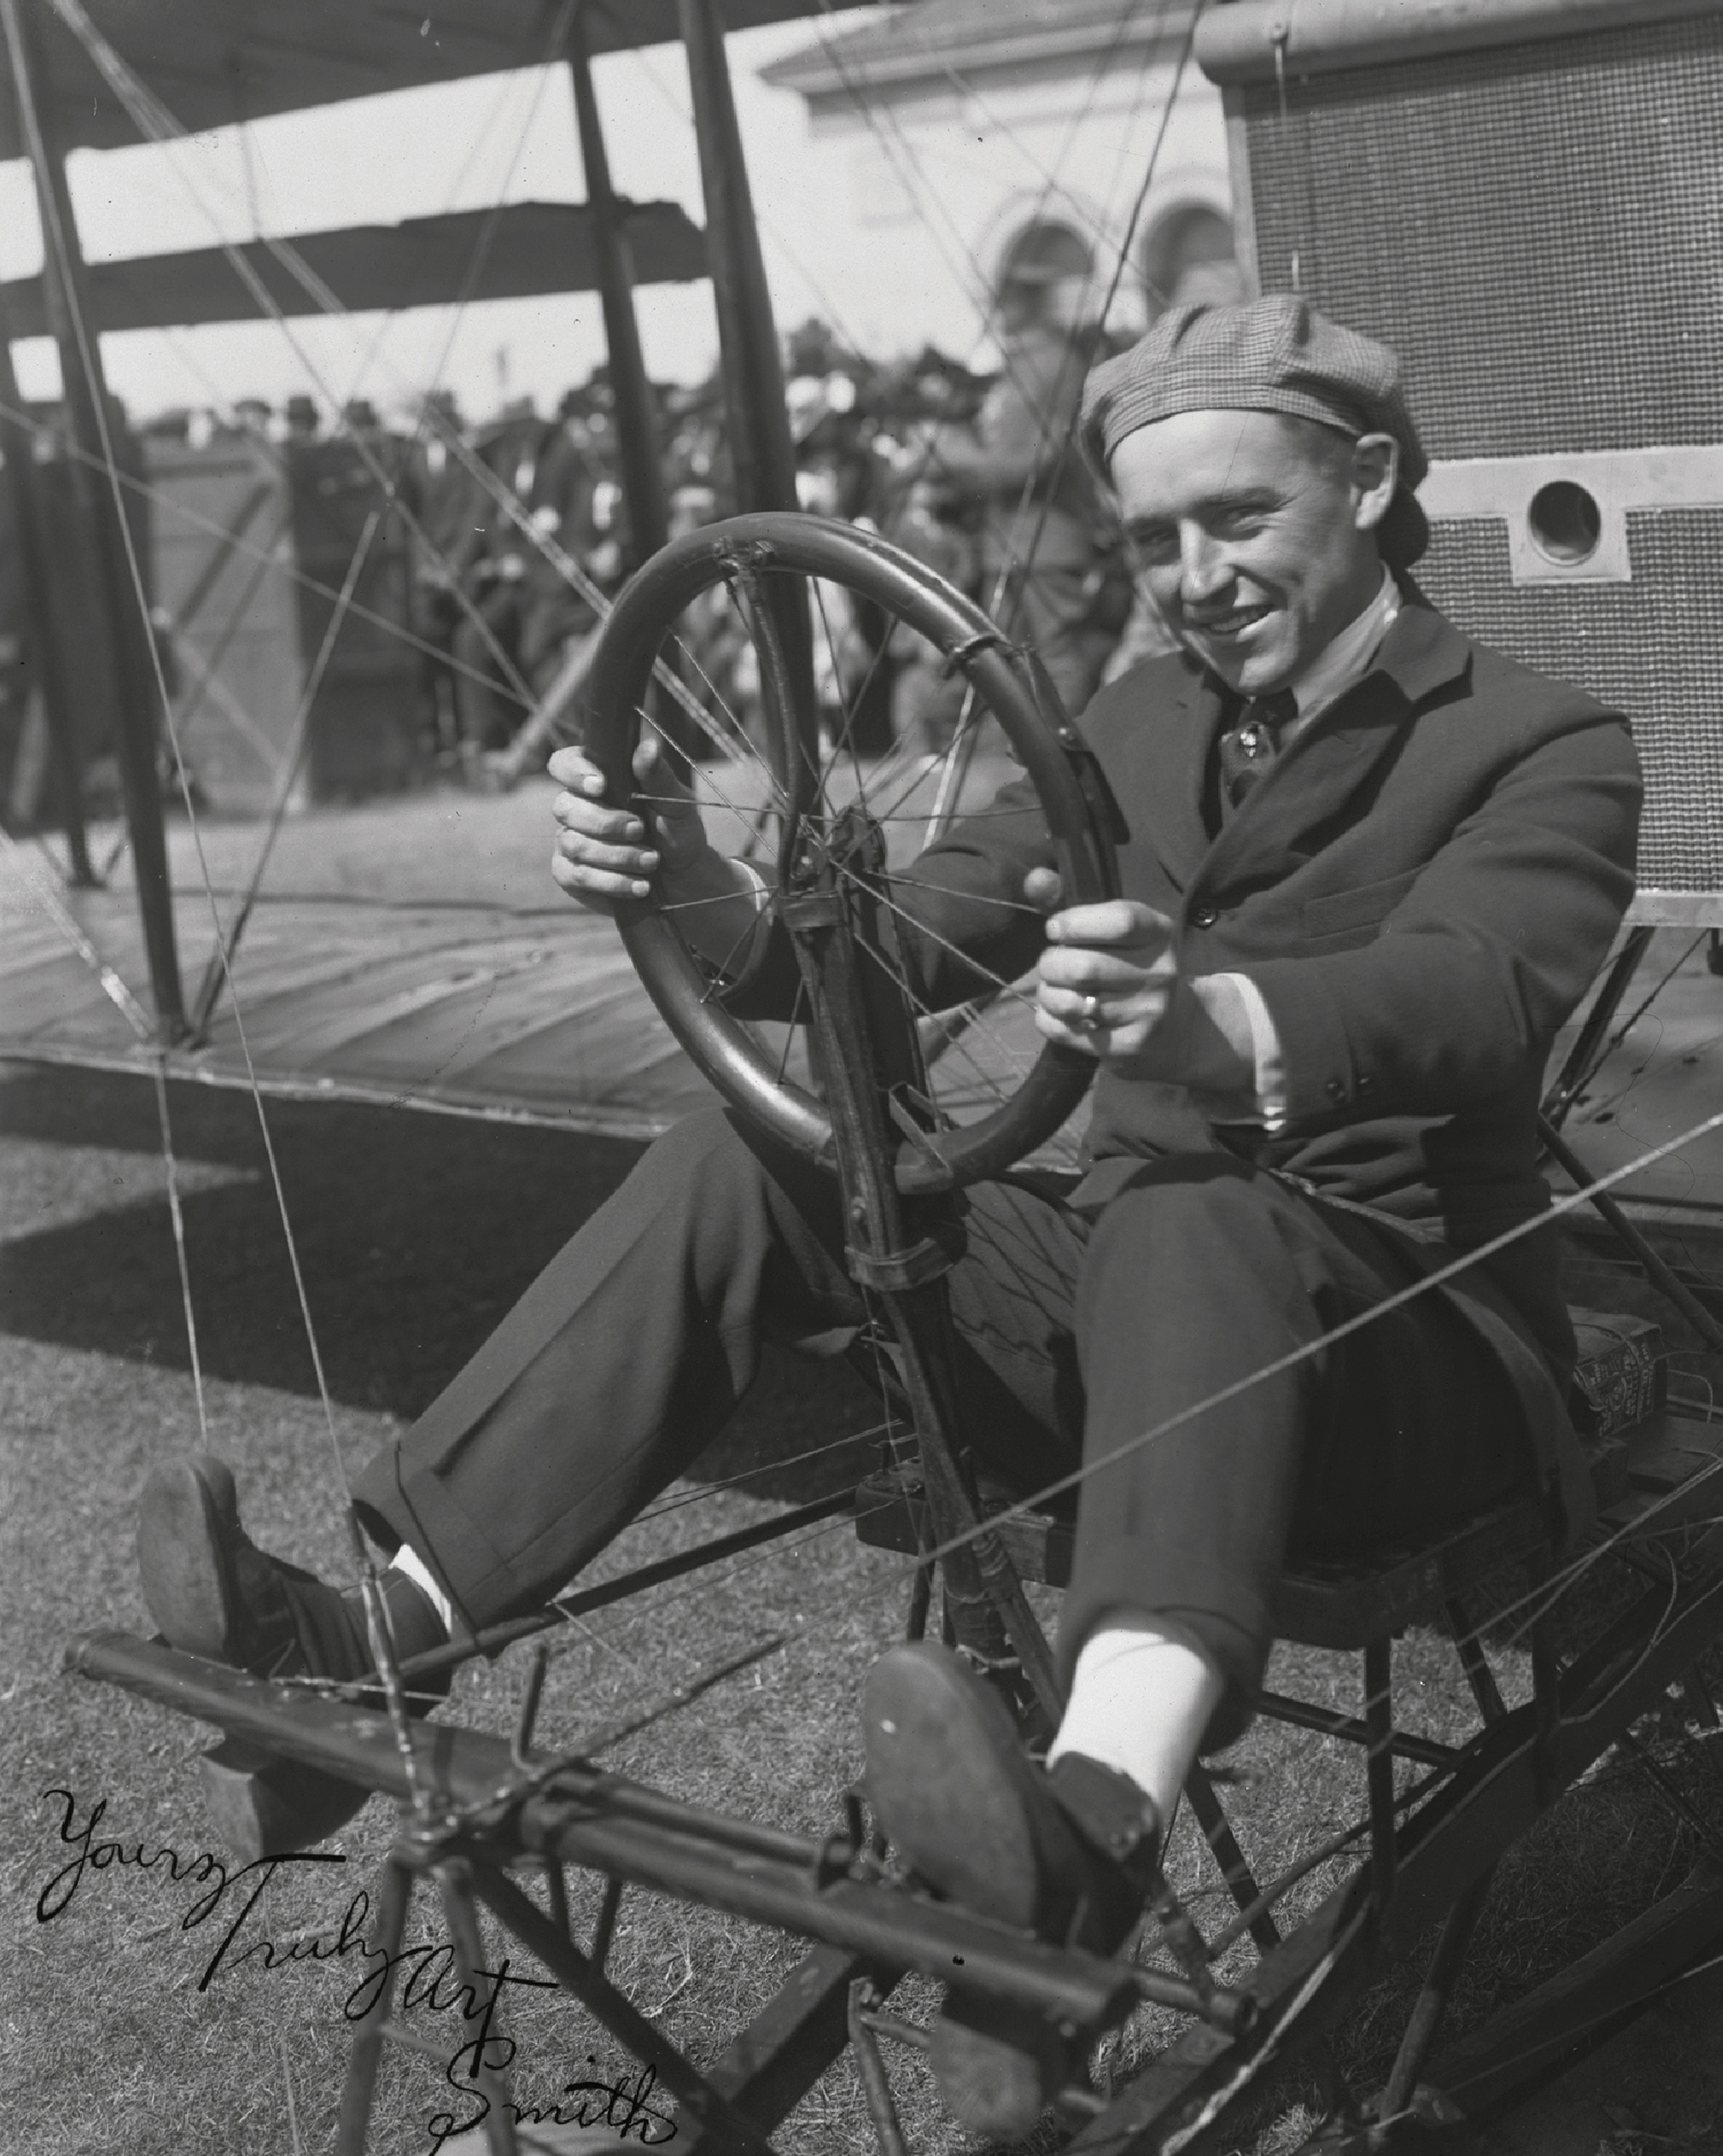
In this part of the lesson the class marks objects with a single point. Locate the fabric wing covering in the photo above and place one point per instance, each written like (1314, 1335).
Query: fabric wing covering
(516, 251)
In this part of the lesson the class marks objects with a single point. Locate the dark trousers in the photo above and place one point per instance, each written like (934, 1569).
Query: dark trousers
(1080, 1333)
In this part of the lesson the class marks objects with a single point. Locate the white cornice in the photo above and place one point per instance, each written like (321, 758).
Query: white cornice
(910, 49)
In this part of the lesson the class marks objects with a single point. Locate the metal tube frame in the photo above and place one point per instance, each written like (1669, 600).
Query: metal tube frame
(759, 427)
(637, 433)
(47, 652)
(636, 425)
(1658, 1267)
(1581, 1059)
(120, 628)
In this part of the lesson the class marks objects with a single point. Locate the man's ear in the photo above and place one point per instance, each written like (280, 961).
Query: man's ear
(1375, 475)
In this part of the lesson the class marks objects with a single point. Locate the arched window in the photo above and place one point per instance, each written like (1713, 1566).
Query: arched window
(1189, 256)
(1041, 274)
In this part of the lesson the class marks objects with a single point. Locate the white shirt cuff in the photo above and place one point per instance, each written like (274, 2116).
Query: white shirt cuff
(1265, 1052)
(762, 890)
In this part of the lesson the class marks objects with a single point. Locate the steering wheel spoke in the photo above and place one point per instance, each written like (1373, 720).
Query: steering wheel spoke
(795, 635)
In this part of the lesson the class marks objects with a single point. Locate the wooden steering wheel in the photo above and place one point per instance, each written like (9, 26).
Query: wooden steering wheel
(777, 635)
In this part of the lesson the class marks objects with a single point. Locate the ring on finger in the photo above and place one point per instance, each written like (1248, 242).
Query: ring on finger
(1089, 1014)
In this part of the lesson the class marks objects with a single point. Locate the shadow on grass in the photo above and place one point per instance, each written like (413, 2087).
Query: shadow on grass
(416, 1233)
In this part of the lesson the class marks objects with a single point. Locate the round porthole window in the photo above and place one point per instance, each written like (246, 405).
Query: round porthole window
(1566, 522)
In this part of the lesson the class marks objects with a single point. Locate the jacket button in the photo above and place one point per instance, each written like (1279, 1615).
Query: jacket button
(1337, 1091)
(1204, 917)
(1365, 1085)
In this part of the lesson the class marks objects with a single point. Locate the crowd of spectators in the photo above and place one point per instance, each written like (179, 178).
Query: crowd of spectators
(977, 474)
(973, 473)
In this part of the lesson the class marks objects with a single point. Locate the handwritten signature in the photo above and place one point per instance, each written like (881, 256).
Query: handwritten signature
(623, 2105)
(57, 1896)
(434, 1982)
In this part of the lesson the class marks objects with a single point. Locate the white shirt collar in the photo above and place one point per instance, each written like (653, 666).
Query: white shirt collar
(1345, 661)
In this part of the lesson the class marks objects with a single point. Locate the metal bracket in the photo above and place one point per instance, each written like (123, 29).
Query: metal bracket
(895, 1271)
(812, 909)
(736, 556)
(1104, 809)
(957, 659)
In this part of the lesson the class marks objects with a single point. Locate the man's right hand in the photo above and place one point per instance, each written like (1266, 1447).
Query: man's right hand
(604, 854)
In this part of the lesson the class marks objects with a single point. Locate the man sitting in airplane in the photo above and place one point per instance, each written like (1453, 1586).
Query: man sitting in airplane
(1371, 867)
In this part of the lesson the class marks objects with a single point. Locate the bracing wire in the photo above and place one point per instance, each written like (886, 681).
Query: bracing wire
(1540, 1597)
(1015, 551)
(900, 155)
(375, 1610)
(158, 124)
(298, 738)
(811, 1610)
(182, 1255)
(55, 237)
(40, 892)
(142, 491)
(1427, 1284)
(1570, 1202)
(1125, 246)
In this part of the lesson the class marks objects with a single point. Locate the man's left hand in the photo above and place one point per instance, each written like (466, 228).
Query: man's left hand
(1106, 979)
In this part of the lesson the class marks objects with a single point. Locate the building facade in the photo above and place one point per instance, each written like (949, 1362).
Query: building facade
(985, 156)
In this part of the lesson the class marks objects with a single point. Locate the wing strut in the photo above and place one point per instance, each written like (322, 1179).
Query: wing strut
(46, 654)
(637, 433)
(120, 631)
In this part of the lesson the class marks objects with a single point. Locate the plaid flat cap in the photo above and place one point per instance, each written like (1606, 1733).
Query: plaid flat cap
(1273, 354)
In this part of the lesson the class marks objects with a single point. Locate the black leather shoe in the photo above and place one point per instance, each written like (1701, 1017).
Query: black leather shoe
(211, 1592)
(1070, 1855)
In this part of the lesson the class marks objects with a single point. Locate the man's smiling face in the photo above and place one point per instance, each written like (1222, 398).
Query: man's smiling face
(1255, 534)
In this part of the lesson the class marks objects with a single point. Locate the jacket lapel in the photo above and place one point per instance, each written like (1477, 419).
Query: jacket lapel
(1279, 824)
(1163, 784)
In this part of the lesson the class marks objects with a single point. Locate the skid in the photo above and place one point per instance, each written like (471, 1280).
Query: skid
(490, 1814)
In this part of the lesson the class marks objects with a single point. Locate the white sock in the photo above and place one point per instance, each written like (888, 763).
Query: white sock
(407, 1560)
(1141, 1697)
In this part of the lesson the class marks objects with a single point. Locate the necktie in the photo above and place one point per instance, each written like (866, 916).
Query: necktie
(1251, 742)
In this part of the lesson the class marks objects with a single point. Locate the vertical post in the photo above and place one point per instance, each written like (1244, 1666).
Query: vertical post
(359, 2088)
(637, 429)
(1378, 1721)
(637, 433)
(759, 444)
(17, 439)
(118, 621)
(757, 420)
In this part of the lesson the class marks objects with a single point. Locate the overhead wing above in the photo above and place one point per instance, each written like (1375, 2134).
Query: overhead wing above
(514, 251)
(216, 63)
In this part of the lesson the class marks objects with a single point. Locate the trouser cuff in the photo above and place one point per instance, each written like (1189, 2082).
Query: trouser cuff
(397, 1506)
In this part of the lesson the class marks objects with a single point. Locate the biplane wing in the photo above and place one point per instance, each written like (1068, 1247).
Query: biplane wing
(466, 1008)
(220, 63)
(468, 985)
(485, 1004)
(513, 251)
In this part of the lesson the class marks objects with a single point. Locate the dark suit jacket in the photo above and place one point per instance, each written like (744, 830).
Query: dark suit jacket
(1421, 886)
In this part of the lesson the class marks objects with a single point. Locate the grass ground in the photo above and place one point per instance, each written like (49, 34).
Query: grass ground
(416, 1234)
